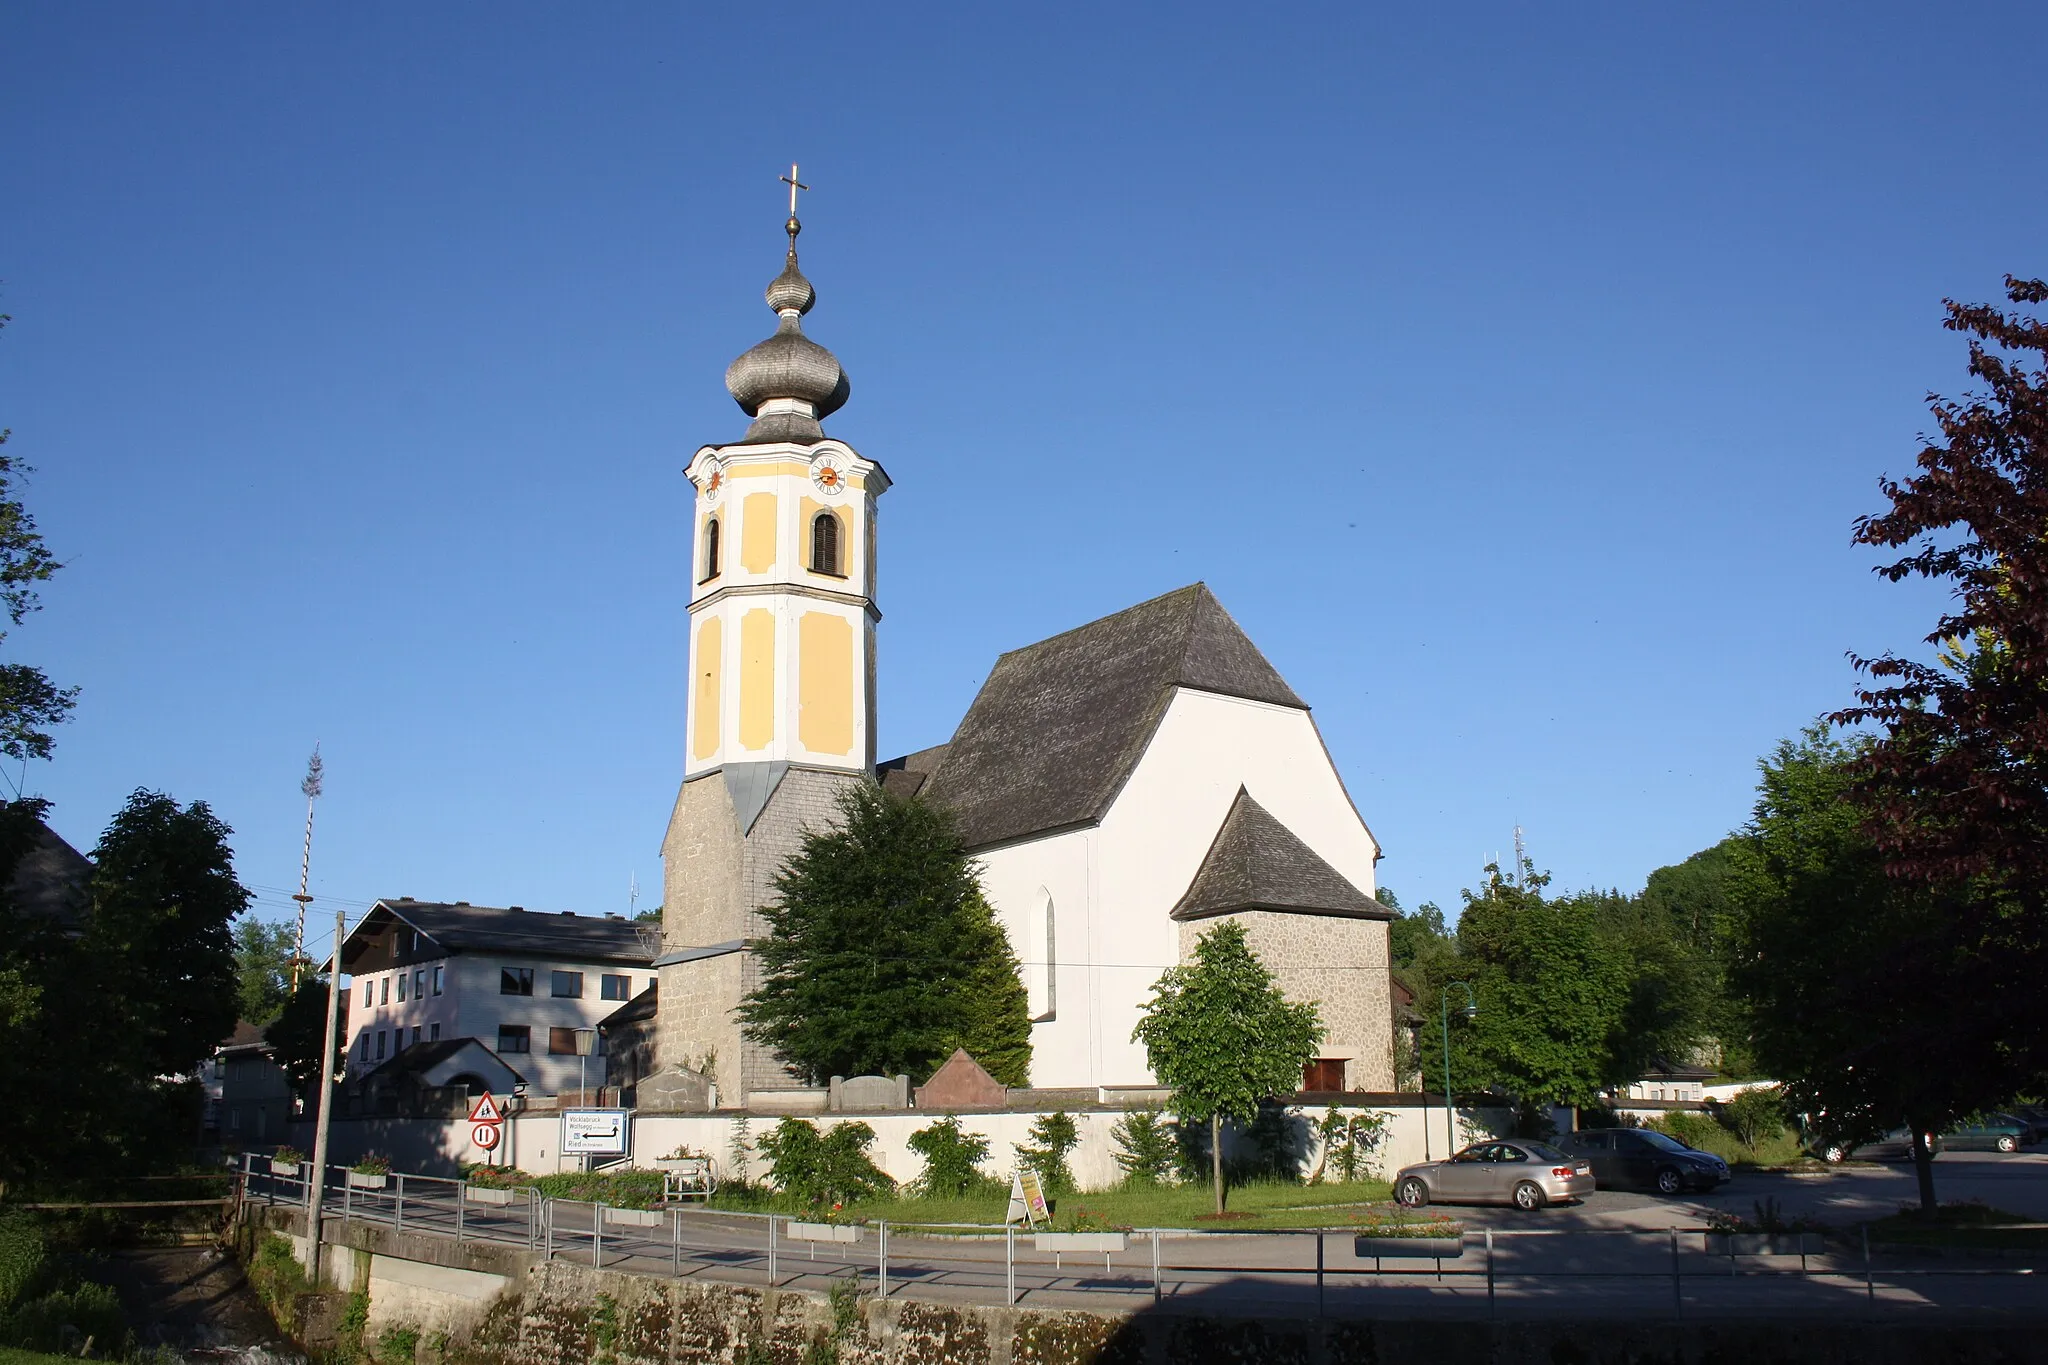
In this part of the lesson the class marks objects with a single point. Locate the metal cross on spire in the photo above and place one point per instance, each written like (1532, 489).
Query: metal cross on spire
(794, 185)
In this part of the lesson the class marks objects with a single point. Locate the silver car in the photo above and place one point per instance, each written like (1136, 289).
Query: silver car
(1514, 1171)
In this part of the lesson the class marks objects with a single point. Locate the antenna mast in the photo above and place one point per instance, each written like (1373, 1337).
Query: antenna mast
(311, 787)
(1521, 860)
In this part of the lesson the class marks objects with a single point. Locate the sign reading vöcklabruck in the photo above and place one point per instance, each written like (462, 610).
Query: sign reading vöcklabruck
(594, 1132)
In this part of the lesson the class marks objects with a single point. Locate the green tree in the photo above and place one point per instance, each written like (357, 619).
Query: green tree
(263, 961)
(952, 1158)
(1051, 1136)
(830, 1167)
(296, 1034)
(1857, 990)
(30, 704)
(1696, 899)
(883, 956)
(1144, 1148)
(1220, 1033)
(1552, 995)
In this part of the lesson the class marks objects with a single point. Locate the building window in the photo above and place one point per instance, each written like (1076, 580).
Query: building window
(366, 992)
(397, 1041)
(710, 550)
(384, 991)
(365, 1048)
(380, 1045)
(515, 1038)
(433, 1033)
(515, 981)
(825, 545)
(415, 1035)
(419, 984)
(567, 986)
(1323, 1074)
(562, 1042)
(438, 971)
(617, 987)
(1041, 977)
(401, 988)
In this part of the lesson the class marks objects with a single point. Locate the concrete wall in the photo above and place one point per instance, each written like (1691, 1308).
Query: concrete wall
(533, 1142)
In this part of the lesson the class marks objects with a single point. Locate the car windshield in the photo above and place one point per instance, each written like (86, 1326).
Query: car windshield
(1661, 1141)
(1544, 1152)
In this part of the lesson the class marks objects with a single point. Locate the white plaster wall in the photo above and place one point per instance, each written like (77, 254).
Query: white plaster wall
(1063, 1050)
(1115, 885)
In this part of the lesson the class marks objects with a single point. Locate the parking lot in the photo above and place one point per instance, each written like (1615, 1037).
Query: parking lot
(1841, 1196)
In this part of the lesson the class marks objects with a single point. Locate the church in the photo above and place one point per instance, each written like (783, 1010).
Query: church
(1125, 786)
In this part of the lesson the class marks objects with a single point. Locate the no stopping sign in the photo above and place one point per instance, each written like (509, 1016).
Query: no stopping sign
(484, 1135)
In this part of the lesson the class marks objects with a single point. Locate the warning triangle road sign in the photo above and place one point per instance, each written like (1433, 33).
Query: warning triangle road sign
(486, 1110)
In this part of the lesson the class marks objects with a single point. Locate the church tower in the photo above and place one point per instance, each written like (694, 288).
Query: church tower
(781, 709)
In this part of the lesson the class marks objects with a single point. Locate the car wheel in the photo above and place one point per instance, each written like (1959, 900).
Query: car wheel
(1529, 1196)
(1669, 1181)
(2008, 1144)
(1833, 1154)
(1412, 1193)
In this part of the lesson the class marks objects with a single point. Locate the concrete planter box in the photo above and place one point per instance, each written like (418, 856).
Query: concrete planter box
(484, 1194)
(1765, 1243)
(1425, 1248)
(821, 1232)
(290, 1168)
(1080, 1241)
(359, 1181)
(632, 1218)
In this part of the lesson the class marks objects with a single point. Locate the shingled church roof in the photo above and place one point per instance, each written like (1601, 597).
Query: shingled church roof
(1059, 725)
(1257, 863)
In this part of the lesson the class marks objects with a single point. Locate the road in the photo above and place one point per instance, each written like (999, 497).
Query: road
(1618, 1255)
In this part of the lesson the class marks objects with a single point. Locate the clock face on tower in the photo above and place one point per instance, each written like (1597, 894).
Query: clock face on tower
(828, 475)
(712, 482)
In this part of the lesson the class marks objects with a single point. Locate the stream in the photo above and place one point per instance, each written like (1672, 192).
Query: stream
(195, 1303)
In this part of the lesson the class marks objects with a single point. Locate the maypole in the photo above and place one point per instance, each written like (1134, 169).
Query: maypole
(311, 787)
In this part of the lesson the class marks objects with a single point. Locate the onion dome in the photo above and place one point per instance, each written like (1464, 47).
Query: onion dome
(788, 382)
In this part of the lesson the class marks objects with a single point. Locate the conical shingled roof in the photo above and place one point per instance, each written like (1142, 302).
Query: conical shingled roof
(1059, 725)
(1257, 863)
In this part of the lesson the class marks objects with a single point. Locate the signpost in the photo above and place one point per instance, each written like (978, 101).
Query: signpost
(594, 1132)
(486, 1122)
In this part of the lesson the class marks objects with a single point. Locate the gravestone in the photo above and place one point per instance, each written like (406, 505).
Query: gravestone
(869, 1092)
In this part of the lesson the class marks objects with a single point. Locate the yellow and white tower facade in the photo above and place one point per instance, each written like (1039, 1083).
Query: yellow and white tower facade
(781, 684)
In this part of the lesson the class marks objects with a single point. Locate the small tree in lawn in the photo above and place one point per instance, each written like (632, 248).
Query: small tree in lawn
(1223, 1036)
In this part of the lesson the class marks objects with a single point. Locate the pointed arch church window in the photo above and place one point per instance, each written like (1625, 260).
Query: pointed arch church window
(710, 550)
(825, 545)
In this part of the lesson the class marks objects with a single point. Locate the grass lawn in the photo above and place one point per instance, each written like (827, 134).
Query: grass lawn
(1778, 1152)
(10, 1356)
(1961, 1225)
(1265, 1205)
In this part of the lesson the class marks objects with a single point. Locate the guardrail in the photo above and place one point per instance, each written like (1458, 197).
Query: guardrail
(960, 1260)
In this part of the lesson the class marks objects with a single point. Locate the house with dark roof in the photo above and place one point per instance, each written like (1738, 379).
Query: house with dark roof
(522, 983)
(1126, 785)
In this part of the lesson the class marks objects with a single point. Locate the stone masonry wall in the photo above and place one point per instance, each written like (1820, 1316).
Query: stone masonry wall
(714, 883)
(1340, 964)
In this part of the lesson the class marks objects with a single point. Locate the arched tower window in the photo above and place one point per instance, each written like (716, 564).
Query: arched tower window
(710, 550)
(825, 545)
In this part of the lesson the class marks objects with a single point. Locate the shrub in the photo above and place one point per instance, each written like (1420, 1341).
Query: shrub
(1145, 1148)
(61, 1319)
(1694, 1130)
(372, 1163)
(814, 1168)
(24, 1260)
(288, 1154)
(278, 1278)
(742, 1150)
(950, 1159)
(1350, 1142)
(1753, 1114)
(1052, 1137)
(1277, 1144)
(398, 1344)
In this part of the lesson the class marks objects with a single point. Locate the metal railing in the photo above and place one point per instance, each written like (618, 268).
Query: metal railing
(979, 1262)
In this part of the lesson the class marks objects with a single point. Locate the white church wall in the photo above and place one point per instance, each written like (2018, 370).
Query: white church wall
(1019, 880)
(1163, 822)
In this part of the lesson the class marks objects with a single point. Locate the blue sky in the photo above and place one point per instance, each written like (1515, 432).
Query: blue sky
(1512, 373)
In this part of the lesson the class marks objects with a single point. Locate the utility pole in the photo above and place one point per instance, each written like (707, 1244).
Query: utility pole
(326, 1115)
(311, 787)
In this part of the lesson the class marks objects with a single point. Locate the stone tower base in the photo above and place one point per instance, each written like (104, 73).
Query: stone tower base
(716, 876)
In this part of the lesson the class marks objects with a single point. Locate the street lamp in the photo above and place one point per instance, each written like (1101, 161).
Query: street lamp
(1470, 1011)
